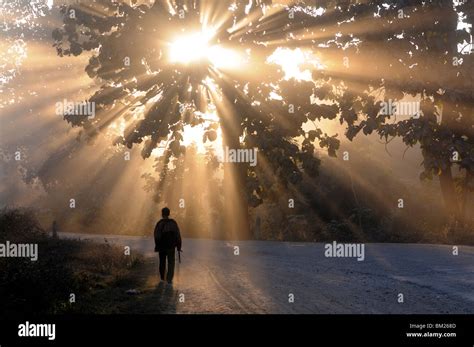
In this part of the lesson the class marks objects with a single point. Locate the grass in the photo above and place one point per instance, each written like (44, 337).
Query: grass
(97, 274)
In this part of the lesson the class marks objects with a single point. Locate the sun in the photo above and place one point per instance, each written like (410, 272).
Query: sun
(197, 47)
(190, 48)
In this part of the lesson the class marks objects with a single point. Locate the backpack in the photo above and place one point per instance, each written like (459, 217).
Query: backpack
(169, 234)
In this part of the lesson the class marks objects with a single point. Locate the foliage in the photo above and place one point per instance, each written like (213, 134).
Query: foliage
(169, 96)
(63, 267)
(411, 49)
(413, 52)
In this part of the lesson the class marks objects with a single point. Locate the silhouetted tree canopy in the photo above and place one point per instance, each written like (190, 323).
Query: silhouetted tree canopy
(372, 51)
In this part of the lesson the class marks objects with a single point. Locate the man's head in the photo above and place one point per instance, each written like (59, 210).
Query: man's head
(165, 212)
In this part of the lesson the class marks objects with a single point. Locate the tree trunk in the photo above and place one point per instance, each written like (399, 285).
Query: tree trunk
(451, 202)
(448, 190)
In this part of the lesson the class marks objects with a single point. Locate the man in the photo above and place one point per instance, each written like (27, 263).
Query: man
(167, 238)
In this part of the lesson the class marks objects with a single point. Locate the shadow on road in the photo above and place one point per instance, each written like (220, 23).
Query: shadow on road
(156, 297)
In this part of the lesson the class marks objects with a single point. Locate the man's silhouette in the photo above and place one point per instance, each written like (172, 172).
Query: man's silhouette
(167, 238)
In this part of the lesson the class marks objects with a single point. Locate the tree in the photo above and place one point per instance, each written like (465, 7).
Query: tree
(373, 53)
(131, 60)
(415, 51)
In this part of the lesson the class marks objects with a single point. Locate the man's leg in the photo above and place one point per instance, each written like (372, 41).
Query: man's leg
(162, 264)
(169, 276)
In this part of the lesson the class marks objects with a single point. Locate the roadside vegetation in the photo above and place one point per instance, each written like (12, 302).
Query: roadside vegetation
(70, 276)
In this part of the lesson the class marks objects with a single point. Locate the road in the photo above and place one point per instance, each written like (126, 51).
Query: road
(265, 276)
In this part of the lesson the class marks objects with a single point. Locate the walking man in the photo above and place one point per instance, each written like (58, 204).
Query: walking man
(167, 238)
